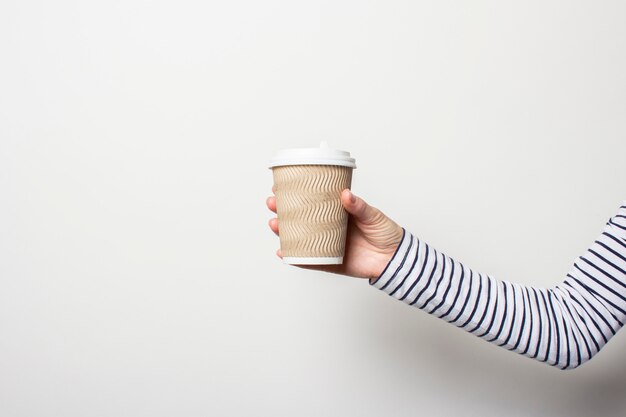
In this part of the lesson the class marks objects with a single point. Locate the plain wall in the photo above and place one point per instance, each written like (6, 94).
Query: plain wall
(137, 271)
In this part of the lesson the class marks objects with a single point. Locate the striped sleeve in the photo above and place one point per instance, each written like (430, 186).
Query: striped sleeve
(563, 326)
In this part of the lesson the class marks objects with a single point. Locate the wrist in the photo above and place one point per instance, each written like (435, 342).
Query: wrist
(388, 255)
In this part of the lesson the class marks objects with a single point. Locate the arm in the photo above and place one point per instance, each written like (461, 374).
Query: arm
(563, 326)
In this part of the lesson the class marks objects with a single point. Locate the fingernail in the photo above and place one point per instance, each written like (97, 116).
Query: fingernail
(352, 197)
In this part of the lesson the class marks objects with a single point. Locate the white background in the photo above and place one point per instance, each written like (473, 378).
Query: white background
(137, 272)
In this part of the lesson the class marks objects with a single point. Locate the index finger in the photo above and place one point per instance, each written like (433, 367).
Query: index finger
(271, 203)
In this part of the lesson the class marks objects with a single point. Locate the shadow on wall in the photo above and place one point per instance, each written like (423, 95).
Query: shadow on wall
(484, 375)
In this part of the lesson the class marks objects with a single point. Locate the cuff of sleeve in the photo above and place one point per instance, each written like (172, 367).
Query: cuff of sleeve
(396, 263)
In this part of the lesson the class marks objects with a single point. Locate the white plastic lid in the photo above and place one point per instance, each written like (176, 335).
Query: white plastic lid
(313, 156)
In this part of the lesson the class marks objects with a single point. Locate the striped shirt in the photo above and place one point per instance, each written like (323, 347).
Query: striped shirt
(563, 326)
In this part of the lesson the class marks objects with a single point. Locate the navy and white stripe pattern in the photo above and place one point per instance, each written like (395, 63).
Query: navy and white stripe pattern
(562, 326)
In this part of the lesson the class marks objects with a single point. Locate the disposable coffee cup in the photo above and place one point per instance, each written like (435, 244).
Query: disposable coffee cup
(313, 223)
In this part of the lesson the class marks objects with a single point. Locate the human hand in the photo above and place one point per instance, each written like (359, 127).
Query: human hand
(371, 242)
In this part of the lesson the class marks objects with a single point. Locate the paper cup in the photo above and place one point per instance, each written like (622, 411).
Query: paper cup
(312, 221)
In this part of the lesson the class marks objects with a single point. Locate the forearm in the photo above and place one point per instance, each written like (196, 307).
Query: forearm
(563, 326)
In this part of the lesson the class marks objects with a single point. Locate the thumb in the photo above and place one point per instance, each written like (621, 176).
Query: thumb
(361, 211)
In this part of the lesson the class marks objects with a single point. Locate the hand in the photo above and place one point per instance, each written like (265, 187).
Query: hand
(371, 241)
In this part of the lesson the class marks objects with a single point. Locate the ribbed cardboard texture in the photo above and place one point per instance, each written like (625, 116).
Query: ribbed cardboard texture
(312, 221)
